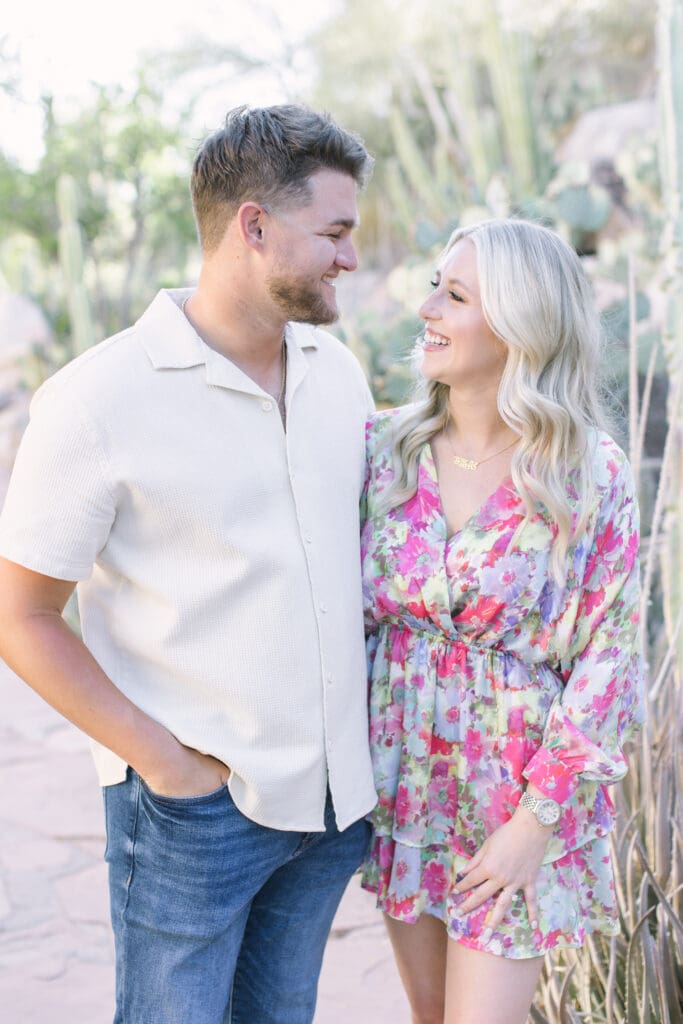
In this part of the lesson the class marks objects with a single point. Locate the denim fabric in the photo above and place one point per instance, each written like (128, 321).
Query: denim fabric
(218, 920)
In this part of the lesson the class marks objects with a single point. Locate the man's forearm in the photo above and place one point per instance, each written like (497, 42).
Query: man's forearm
(46, 654)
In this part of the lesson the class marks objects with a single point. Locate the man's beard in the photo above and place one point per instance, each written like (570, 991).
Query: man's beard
(300, 302)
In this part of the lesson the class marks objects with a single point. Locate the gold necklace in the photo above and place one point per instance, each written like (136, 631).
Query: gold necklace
(472, 464)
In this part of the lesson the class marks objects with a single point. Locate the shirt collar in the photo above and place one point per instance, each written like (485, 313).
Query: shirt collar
(171, 343)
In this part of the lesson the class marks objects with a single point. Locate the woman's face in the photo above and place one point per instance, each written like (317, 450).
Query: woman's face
(459, 348)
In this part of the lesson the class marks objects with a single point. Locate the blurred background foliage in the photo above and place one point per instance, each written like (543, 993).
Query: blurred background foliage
(568, 112)
(469, 113)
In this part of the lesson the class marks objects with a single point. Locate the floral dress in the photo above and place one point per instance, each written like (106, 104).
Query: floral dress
(485, 673)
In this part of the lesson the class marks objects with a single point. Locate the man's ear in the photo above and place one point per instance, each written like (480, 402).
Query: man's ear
(251, 218)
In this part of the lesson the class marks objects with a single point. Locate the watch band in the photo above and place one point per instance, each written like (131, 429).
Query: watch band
(545, 809)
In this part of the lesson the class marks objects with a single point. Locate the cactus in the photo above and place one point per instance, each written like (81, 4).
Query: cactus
(473, 123)
(470, 132)
(584, 207)
(670, 50)
(413, 163)
(401, 205)
(508, 61)
(71, 259)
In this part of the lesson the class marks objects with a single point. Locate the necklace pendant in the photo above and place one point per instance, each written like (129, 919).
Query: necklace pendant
(462, 463)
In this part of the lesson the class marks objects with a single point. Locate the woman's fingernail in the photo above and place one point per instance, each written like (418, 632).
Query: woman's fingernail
(486, 934)
(534, 924)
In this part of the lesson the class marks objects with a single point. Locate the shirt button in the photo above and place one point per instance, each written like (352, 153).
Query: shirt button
(323, 607)
(330, 679)
(266, 406)
(308, 538)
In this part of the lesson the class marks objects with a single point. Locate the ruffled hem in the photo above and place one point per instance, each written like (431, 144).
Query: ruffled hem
(575, 897)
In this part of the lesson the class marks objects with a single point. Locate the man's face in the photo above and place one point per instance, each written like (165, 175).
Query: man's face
(311, 245)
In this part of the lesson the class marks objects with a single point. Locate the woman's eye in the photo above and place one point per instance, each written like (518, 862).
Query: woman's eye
(456, 297)
(434, 284)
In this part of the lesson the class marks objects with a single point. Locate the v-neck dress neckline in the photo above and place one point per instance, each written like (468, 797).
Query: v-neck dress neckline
(479, 513)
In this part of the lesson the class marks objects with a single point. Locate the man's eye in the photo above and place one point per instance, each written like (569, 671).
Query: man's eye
(334, 234)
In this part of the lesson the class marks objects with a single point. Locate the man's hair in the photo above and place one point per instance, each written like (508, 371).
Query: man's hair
(267, 155)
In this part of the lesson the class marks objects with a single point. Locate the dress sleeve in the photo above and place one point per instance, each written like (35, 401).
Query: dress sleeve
(368, 463)
(59, 508)
(378, 458)
(601, 705)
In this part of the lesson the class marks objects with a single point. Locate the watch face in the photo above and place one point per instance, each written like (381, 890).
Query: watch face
(548, 812)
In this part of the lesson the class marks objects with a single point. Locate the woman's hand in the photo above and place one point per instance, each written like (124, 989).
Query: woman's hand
(507, 862)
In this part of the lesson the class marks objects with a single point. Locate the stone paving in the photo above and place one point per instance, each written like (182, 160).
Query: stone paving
(56, 950)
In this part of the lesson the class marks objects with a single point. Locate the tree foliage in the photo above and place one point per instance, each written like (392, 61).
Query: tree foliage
(130, 169)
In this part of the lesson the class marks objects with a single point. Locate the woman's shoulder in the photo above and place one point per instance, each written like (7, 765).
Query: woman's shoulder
(613, 486)
(609, 461)
(380, 429)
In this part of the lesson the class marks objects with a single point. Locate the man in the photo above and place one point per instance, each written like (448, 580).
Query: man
(198, 475)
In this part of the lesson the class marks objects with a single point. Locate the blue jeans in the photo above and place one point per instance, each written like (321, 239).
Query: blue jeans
(218, 920)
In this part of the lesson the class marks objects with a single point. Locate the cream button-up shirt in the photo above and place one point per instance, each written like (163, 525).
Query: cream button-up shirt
(217, 556)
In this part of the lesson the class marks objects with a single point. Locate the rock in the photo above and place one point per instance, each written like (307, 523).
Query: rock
(600, 135)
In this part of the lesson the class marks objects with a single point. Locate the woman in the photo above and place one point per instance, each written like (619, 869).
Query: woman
(501, 594)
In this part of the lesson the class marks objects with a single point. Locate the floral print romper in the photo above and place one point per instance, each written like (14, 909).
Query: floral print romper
(484, 673)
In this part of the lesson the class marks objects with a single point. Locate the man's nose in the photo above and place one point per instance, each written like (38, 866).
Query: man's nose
(346, 256)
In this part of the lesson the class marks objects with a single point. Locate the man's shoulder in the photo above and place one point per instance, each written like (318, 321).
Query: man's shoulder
(95, 372)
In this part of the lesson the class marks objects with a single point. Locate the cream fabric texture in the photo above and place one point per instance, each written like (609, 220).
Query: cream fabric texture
(217, 557)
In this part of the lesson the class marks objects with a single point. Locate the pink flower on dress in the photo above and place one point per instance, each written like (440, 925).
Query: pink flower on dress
(407, 808)
(472, 746)
(592, 599)
(515, 754)
(485, 610)
(401, 909)
(416, 608)
(604, 544)
(435, 881)
(567, 827)
(445, 799)
(453, 715)
(439, 745)
(410, 553)
(501, 799)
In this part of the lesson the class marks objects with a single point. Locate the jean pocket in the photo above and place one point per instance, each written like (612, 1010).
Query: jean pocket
(184, 801)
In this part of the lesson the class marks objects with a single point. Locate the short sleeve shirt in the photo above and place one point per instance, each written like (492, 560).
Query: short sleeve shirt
(216, 555)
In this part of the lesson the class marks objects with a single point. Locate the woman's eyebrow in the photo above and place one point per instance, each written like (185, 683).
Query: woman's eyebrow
(459, 283)
(343, 222)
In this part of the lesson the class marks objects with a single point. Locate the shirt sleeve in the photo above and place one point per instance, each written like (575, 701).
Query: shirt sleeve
(601, 705)
(59, 507)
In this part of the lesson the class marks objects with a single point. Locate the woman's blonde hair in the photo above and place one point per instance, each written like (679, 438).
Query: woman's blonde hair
(536, 298)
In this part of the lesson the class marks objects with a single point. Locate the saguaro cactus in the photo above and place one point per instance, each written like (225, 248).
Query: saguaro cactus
(71, 259)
